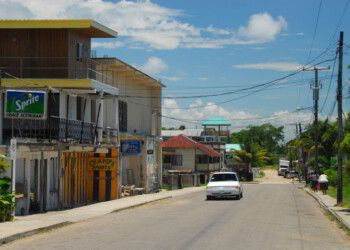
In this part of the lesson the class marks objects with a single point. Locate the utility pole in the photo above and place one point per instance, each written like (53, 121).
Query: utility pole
(340, 120)
(316, 88)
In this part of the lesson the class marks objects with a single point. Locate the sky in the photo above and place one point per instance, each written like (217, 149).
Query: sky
(219, 54)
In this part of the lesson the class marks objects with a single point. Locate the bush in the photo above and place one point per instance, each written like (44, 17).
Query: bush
(7, 206)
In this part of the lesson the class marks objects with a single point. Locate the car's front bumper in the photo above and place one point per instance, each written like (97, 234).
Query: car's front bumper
(223, 192)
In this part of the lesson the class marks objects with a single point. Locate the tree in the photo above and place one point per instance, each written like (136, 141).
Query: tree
(256, 139)
(182, 127)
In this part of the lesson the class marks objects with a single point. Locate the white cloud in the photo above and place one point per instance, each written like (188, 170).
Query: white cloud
(279, 66)
(154, 65)
(213, 30)
(263, 27)
(239, 119)
(107, 45)
(202, 78)
(145, 24)
(171, 78)
(294, 34)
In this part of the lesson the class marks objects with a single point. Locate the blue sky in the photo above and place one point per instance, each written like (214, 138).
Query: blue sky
(202, 47)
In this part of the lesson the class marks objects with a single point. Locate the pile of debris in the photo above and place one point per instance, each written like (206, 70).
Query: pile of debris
(132, 190)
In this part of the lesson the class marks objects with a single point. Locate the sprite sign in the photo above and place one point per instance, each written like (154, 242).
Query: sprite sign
(25, 104)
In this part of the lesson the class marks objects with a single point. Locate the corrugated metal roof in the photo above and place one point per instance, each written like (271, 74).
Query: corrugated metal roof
(182, 141)
(215, 121)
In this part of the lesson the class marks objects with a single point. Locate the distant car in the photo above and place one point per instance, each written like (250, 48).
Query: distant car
(285, 173)
(292, 174)
(224, 184)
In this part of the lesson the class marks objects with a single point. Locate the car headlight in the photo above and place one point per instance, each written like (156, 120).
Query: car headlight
(234, 187)
(210, 188)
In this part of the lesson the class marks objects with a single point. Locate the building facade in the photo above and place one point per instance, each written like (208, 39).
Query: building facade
(70, 156)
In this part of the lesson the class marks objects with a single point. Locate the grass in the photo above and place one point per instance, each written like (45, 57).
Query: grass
(340, 225)
(332, 191)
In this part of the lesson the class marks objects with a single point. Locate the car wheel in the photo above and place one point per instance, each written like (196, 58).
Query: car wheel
(241, 195)
(209, 197)
(238, 197)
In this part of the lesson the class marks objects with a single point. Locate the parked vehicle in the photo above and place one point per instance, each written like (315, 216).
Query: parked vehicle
(282, 167)
(292, 174)
(224, 184)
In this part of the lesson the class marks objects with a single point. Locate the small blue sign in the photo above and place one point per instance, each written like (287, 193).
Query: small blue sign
(129, 147)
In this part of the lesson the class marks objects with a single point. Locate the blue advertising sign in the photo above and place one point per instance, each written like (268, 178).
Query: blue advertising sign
(129, 147)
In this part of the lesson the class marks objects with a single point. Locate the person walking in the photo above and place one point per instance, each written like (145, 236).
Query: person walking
(314, 182)
(323, 180)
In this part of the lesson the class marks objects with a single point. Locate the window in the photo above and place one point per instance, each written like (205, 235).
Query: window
(79, 108)
(167, 159)
(80, 51)
(202, 159)
(123, 116)
(93, 111)
(176, 160)
(224, 177)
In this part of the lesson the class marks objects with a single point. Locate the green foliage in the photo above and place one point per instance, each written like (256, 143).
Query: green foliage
(260, 142)
(332, 176)
(6, 204)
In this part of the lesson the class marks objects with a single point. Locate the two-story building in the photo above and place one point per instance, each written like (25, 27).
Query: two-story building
(139, 124)
(216, 135)
(182, 153)
(61, 106)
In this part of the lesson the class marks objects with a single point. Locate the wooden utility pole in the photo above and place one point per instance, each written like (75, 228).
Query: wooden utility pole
(316, 88)
(340, 120)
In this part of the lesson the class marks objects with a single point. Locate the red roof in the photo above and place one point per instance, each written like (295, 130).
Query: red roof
(182, 141)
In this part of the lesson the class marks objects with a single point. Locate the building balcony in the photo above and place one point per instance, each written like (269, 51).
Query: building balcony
(56, 130)
(64, 71)
(215, 133)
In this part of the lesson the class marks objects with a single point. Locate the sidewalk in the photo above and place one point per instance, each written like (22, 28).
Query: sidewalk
(31, 224)
(329, 203)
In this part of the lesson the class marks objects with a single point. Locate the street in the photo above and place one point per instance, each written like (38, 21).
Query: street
(270, 216)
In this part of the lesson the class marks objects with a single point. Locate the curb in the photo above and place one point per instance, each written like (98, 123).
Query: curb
(32, 232)
(14, 237)
(334, 213)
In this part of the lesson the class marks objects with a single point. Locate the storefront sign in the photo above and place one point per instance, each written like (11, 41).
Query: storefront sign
(25, 104)
(104, 164)
(129, 147)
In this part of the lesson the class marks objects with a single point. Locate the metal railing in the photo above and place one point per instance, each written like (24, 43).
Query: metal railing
(59, 130)
(55, 68)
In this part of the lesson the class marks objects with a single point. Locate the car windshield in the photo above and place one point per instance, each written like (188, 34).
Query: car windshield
(223, 177)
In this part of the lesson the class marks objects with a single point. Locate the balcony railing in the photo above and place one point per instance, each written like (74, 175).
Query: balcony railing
(55, 68)
(216, 133)
(60, 130)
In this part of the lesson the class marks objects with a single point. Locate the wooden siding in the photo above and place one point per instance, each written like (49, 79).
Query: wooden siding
(44, 43)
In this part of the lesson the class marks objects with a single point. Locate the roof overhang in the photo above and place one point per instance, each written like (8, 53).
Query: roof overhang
(88, 27)
(131, 73)
(74, 86)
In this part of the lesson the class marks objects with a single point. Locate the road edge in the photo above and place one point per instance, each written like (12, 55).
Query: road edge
(334, 213)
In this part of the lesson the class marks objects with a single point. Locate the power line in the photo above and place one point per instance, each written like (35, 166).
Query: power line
(263, 86)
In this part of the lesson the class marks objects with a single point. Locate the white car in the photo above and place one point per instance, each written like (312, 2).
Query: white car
(224, 184)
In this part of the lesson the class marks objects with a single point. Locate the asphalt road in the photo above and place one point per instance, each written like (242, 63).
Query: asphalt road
(270, 216)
